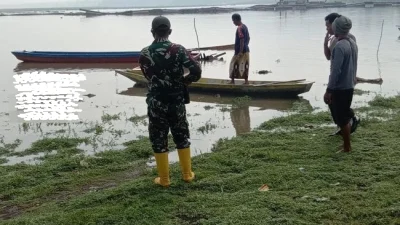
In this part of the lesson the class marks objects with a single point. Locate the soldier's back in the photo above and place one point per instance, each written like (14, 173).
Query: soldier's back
(166, 68)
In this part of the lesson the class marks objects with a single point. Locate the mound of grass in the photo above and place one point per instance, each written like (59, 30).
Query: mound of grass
(309, 183)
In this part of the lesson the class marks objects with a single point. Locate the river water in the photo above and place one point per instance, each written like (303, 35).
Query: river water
(287, 43)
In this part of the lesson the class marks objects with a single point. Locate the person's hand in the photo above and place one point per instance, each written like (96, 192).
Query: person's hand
(327, 38)
(328, 98)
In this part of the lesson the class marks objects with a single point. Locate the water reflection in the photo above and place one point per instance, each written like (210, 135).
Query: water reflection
(240, 116)
(48, 96)
(261, 103)
(53, 67)
(284, 13)
(241, 120)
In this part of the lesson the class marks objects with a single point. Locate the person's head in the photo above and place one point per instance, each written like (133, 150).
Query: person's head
(236, 19)
(161, 27)
(341, 26)
(329, 20)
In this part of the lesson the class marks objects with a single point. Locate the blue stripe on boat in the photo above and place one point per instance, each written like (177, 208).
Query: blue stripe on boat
(44, 54)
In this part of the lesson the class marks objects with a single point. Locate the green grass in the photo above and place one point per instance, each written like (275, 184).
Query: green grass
(309, 182)
(52, 144)
(381, 102)
(67, 171)
(297, 120)
(3, 160)
(8, 148)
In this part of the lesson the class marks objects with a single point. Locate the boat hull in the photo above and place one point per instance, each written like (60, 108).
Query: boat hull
(30, 67)
(218, 86)
(80, 57)
(77, 57)
(96, 57)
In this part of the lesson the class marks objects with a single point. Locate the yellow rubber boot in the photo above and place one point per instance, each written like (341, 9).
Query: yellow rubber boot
(163, 169)
(186, 164)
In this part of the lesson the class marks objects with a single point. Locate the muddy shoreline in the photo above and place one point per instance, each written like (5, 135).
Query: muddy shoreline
(204, 10)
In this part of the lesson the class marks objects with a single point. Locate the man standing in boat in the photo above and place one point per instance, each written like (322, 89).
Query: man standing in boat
(239, 67)
(162, 63)
(339, 93)
(329, 44)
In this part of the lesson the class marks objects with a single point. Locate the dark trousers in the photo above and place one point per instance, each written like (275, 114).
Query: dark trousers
(164, 116)
(341, 106)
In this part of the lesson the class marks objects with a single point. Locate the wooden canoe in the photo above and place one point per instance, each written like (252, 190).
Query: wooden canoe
(30, 67)
(269, 88)
(81, 57)
(96, 57)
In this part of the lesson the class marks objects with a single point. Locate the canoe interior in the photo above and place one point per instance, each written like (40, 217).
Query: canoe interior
(211, 81)
(279, 89)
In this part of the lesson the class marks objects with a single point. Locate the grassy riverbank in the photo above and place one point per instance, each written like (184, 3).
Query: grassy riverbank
(309, 182)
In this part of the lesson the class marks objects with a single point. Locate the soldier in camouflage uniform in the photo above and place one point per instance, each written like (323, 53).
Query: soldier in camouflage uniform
(162, 63)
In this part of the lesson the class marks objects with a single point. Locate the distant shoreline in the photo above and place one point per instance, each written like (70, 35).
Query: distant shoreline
(203, 10)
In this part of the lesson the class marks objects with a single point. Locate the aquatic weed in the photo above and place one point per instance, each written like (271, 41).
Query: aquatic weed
(207, 128)
(208, 107)
(138, 119)
(241, 102)
(108, 118)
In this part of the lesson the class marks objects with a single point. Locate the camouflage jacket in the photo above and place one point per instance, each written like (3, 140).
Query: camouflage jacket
(162, 63)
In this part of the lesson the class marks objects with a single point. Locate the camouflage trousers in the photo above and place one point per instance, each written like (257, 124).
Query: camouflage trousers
(162, 118)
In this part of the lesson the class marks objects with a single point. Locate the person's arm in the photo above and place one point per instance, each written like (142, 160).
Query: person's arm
(189, 62)
(241, 37)
(145, 64)
(336, 67)
(327, 51)
(355, 62)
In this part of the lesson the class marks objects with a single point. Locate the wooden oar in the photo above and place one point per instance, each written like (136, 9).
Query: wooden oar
(221, 54)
